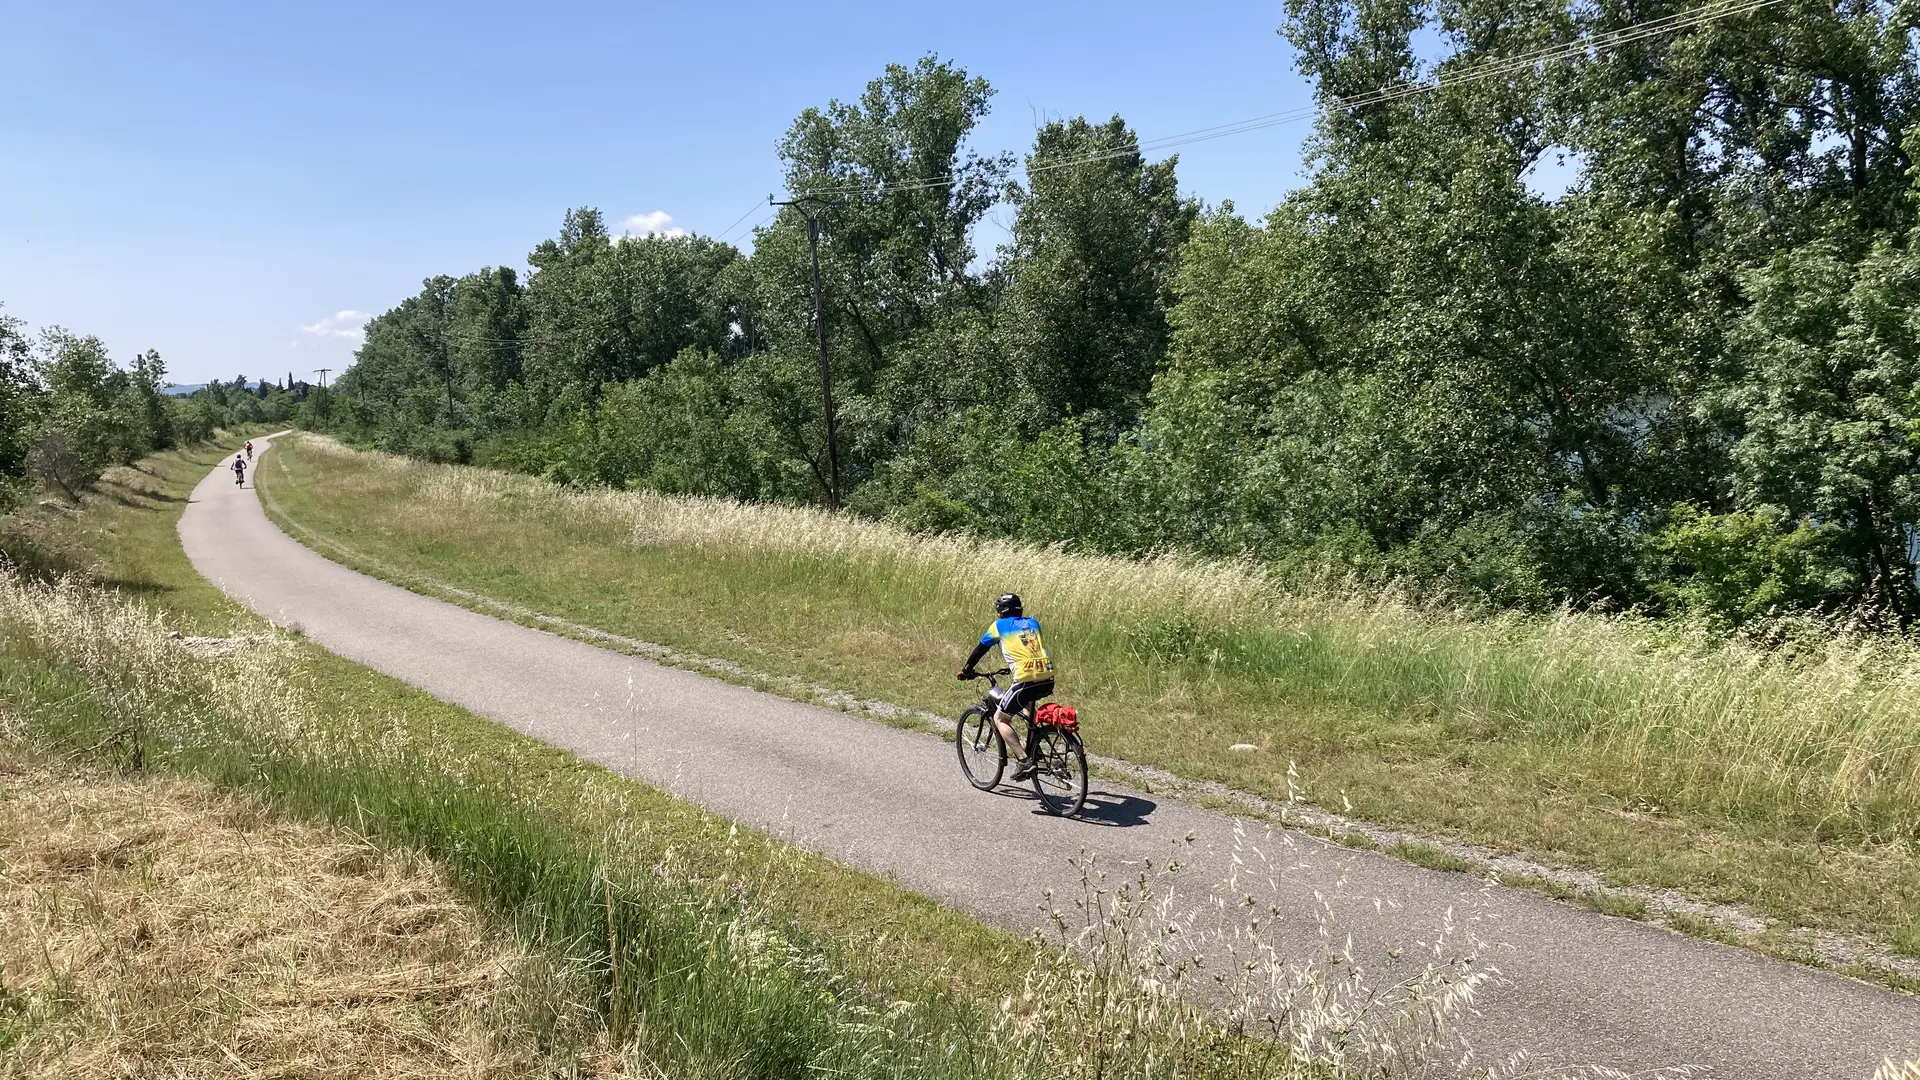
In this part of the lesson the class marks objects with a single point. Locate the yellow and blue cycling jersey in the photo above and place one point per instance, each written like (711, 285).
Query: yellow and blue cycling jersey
(1020, 644)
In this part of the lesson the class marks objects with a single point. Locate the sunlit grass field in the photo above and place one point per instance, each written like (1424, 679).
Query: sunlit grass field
(1788, 782)
(675, 944)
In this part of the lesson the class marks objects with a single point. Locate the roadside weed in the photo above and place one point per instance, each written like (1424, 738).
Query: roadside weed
(1622, 905)
(1429, 856)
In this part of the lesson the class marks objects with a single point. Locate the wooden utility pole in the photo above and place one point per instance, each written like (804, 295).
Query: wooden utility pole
(810, 207)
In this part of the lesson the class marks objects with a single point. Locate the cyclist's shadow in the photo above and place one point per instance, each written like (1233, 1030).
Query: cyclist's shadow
(1107, 808)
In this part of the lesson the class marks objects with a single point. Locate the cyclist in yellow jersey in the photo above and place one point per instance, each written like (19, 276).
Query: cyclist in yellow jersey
(1026, 654)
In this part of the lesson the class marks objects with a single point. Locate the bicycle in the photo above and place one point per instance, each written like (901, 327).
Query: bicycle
(1060, 761)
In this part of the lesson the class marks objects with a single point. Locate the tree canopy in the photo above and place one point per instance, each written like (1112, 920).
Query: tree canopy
(68, 411)
(1690, 382)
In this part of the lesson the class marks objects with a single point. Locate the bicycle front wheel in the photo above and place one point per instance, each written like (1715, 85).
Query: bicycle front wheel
(1060, 776)
(983, 756)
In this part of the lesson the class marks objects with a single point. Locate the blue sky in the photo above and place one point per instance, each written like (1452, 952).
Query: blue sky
(221, 180)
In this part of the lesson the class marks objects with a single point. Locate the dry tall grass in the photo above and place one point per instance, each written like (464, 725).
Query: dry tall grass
(1130, 967)
(1826, 733)
(153, 928)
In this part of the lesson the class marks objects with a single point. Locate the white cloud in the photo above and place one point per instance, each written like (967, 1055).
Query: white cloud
(351, 325)
(658, 223)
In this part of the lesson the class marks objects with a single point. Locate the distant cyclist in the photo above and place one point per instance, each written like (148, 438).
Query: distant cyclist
(239, 470)
(1020, 644)
(249, 449)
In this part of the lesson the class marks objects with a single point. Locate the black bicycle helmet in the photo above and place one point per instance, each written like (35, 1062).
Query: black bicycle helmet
(1007, 606)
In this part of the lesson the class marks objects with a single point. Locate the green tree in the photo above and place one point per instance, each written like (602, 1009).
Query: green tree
(896, 260)
(144, 381)
(487, 328)
(674, 432)
(18, 406)
(92, 415)
(77, 422)
(604, 310)
(1684, 381)
(1089, 274)
(401, 389)
(1828, 409)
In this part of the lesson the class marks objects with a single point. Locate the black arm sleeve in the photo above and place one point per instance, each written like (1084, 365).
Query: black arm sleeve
(979, 651)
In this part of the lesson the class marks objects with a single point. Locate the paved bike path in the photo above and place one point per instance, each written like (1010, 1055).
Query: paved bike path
(1576, 987)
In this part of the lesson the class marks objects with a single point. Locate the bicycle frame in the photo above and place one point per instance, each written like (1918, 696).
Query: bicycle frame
(991, 700)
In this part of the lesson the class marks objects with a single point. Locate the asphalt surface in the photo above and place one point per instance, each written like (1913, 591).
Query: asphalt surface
(1574, 987)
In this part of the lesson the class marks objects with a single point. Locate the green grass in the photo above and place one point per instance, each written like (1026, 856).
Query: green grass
(1702, 927)
(1623, 905)
(1545, 886)
(1429, 856)
(1894, 979)
(706, 950)
(1788, 784)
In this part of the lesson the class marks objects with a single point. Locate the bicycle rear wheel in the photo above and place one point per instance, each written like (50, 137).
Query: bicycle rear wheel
(1060, 780)
(983, 756)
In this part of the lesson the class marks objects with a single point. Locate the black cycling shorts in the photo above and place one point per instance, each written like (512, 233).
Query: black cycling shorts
(1021, 695)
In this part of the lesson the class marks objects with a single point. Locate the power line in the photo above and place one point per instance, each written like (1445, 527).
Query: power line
(444, 338)
(1594, 45)
(722, 235)
(1505, 66)
(1589, 46)
(764, 218)
(1598, 44)
(469, 339)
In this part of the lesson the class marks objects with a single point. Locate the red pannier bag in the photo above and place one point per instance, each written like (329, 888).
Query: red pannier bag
(1054, 714)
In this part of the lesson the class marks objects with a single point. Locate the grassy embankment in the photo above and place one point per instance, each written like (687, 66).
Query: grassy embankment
(1788, 784)
(691, 948)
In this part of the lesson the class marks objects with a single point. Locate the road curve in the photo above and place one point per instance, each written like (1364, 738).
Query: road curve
(1575, 987)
